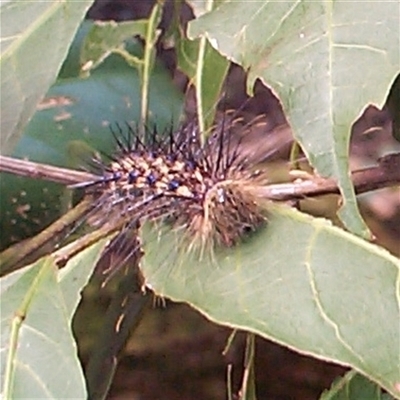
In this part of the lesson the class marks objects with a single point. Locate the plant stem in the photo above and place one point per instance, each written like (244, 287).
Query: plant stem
(148, 59)
(10, 366)
(132, 60)
(386, 174)
(229, 342)
(229, 382)
(63, 255)
(35, 170)
(199, 84)
(31, 249)
(16, 324)
(248, 390)
(199, 79)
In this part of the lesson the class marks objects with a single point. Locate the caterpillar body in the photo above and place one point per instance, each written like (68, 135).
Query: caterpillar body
(209, 190)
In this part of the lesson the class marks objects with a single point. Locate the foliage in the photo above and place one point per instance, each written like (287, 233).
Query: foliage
(37, 304)
(35, 41)
(288, 283)
(311, 53)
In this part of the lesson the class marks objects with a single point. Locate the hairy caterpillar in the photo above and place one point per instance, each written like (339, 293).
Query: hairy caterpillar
(209, 190)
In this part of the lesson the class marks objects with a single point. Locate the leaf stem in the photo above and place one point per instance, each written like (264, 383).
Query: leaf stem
(247, 391)
(229, 342)
(229, 382)
(199, 79)
(10, 366)
(148, 60)
(16, 324)
(132, 60)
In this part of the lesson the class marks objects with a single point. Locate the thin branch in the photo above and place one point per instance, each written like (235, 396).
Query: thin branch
(63, 255)
(148, 60)
(386, 173)
(51, 173)
(31, 249)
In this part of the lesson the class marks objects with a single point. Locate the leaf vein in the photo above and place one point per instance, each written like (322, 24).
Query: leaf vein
(318, 301)
(360, 47)
(37, 378)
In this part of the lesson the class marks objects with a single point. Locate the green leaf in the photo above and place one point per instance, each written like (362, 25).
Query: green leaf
(37, 307)
(354, 387)
(205, 68)
(104, 37)
(326, 60)
(214, 73)
(300, 282)
(35, 39)
(77, 114)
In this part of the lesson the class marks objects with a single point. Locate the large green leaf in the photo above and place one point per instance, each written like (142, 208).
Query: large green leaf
(37, 347)
(325, 59)
(300, 282)
(35, 37)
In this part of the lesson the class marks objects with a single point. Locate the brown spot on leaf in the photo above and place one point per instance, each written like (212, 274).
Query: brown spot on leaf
(54, 101)
(22, 210)
(62, 116)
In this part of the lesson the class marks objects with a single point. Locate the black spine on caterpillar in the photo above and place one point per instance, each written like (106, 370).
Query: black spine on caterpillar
(207, 189)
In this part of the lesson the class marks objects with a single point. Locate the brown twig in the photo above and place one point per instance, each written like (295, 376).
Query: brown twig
(63, 255)
(27, 251)
(35, 170)
(386, 173)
